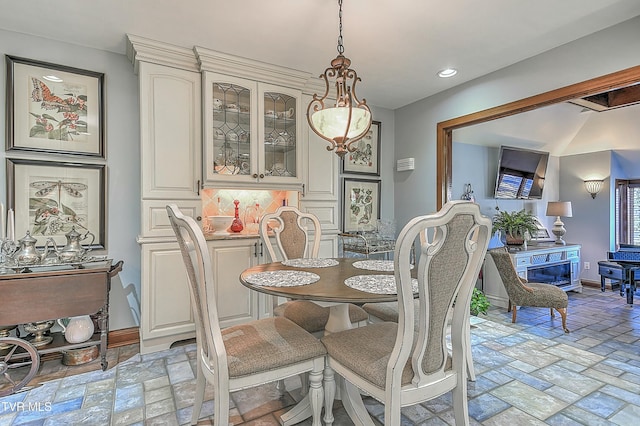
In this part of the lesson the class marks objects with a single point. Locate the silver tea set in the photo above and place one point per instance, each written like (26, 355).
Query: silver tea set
(25, 253)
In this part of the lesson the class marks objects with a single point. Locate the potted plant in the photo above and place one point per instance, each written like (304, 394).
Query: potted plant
(515, 225)
(479, 303)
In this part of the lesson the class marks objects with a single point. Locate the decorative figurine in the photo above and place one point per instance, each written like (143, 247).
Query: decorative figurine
(236, 225)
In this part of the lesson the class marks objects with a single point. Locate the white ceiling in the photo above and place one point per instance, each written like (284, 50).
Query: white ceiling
(561, 129)
(396, 46)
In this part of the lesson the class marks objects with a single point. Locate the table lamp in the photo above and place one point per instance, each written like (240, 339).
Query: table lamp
(559, 209)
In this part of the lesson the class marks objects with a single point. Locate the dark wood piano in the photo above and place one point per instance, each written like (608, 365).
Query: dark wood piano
(621, 268)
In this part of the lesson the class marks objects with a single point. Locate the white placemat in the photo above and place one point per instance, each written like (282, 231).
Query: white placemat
(282, 278)
(379, 284)
(310, 263)
(375, 265)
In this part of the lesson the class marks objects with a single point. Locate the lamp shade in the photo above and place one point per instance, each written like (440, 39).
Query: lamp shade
(332, 122)
(559, 208)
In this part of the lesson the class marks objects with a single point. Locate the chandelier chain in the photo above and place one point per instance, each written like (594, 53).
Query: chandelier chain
(340, 46)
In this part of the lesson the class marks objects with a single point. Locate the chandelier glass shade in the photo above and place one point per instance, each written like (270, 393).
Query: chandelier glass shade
(348, 119)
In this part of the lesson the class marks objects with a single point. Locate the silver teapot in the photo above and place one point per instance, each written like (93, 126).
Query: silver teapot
(28, 254)
(73, 251)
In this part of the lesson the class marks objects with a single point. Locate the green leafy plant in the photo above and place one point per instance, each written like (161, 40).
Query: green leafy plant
(479, 303)
(515, 224)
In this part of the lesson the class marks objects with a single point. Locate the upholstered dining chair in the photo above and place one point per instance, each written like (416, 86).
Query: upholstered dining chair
(388, 311)
(292, 241)
(523, 293)
(245, 355)
(396, 363)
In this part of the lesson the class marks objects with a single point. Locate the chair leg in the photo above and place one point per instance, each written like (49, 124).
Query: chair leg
(563, 314)
(221, 407)
(469, 357)
(199, 396)
(553, 314)
(316, 393)
(514, 313)
(329, 395)
(460, 404)
(304, 379)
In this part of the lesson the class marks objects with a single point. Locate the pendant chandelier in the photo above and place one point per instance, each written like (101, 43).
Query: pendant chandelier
(349, 119)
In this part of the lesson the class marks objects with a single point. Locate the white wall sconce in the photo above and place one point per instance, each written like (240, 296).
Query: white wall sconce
(593, 186)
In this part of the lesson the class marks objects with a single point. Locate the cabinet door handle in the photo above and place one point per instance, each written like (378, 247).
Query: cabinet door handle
(261, 247)
(198, 218)
(255, 249)
(255, 176)
(261, 175)
(304, 190)
(198, 187)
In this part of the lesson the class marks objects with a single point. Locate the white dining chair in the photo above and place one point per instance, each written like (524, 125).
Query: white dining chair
(245, 355)
(396, 363)
(288, 226)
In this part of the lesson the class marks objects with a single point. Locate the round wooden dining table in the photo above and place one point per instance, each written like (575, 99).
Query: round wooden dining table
(329, 288)
(324, 281)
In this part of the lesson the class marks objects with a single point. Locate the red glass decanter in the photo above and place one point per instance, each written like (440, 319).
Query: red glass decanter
(236, 225)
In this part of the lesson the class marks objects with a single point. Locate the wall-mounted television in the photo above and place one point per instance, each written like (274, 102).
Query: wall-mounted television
(521, 173)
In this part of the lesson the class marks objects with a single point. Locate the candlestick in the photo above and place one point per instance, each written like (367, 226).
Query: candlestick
(3, 225)
(11, 226)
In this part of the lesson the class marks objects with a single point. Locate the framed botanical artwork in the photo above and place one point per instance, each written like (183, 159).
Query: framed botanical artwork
(51, 198)
(365, 160)
(360, 204)
(54, 108)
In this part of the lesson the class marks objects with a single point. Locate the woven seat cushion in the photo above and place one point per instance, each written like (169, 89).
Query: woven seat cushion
(387, 311)
(268, 344)
(313, 317)
(544, 296)
(366, 351)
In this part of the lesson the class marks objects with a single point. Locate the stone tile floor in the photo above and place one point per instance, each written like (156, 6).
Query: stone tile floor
(528, 373)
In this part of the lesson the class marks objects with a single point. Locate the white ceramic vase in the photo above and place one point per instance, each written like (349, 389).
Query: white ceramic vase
(78, 330)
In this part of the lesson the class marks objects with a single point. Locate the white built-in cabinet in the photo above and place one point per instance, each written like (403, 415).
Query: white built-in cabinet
(170, 148)
(236, 303)
(209, 119)
(320, 193)
(251, 133)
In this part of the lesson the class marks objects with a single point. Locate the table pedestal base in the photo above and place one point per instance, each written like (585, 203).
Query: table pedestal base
(350, 395)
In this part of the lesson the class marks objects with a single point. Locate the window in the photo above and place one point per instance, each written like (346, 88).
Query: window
(628, 211)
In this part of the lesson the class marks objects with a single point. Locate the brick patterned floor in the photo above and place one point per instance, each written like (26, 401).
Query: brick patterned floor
(528, 373)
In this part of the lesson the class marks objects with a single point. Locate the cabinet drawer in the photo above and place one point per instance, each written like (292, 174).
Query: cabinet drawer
(573, 254)
(611, 272)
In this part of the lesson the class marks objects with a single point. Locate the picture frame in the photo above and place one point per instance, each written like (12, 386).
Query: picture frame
(366, 159)
(360, 204)
(54, 108)
(50, 198)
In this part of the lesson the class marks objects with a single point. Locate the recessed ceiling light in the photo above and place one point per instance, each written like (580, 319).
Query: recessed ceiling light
(52, 78)
(447, 72)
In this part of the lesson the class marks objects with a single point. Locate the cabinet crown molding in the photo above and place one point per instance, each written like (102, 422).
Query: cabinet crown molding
(157, 52)
(224, 63)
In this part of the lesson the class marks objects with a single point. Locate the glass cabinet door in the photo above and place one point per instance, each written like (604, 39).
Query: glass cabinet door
(280, 148)
(251, 133)
(230, 129)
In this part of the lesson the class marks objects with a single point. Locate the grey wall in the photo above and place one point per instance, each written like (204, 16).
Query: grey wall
(591, 224)
(122, 152)
(478, 165)
(415, 192)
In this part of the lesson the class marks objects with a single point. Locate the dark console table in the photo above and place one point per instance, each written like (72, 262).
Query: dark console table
(44, 293)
